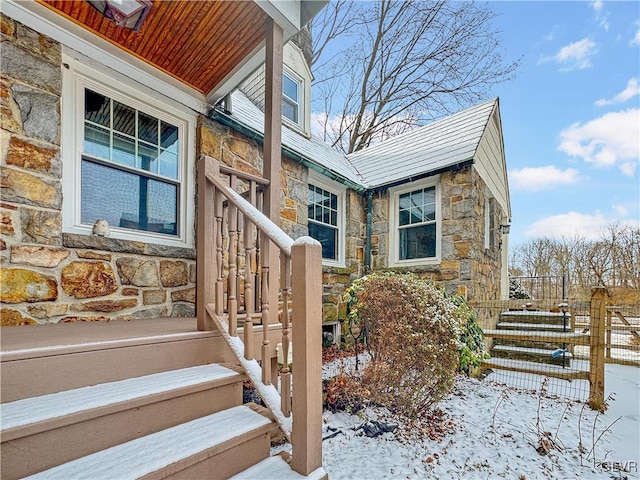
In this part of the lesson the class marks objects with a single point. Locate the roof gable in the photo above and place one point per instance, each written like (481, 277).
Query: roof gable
(442, 144)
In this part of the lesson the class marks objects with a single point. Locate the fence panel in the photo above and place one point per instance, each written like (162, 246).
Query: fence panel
(530, 340)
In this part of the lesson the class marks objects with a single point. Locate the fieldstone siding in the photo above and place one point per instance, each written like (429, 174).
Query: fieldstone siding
(464, 260)
(48, 276)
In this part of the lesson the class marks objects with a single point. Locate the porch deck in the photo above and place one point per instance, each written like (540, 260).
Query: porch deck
(29, 341)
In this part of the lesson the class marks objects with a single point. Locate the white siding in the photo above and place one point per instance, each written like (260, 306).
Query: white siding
(490, 162)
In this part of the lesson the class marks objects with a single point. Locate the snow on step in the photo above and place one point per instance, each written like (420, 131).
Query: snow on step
(532, 351)
(36, 409)
(145, 455)
(276, 467)
(532, 326)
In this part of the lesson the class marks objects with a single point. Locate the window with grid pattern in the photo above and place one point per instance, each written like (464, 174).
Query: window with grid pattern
(130, 167)
(417, 224)
(323, 220)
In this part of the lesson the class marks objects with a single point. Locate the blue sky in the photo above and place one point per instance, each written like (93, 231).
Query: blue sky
(571, 118)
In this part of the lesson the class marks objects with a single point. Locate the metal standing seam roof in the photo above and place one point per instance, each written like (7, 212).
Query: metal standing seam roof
(434, 147)
(441, 144)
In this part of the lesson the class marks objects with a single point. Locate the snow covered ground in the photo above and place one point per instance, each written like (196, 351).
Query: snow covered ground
(496, 433)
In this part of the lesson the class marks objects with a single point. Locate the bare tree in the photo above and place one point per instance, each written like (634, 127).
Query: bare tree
(613, 260)
(382, 67)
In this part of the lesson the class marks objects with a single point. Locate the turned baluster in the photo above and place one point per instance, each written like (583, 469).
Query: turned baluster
(232, 301)
(266, 354)
(219, 292)
(285, 376)
(249, 252)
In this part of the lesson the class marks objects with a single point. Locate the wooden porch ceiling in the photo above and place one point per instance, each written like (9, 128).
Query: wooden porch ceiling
(197, 42)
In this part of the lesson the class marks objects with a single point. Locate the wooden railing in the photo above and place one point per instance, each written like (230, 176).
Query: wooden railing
(236, 246)
(625, 322)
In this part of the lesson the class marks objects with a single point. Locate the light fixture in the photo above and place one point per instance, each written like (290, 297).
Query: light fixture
(504, 229)
(124, 13)
(101, 228)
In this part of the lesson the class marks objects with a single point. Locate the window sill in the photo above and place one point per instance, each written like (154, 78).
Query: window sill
(72, 240)
(421, 262)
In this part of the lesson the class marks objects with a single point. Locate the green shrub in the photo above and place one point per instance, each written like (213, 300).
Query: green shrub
(412, 331)
(471, 341)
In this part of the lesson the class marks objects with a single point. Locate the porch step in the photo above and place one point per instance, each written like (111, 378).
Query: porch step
(536, 327)
(201, 448)
(44, 359)
(535, 317)
(536, 368)
(540, 355)
(44, 431)
(277, 467)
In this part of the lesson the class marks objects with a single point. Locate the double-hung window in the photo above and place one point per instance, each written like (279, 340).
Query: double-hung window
(130, 166)
(291, 98)
(415, 233)
(126, 160)
(326, 220)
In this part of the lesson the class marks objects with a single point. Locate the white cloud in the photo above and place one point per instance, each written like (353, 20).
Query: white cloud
(589, 226)
(632, 90)
(636, 39)
(607, 141)
(539, 178)
(601, 15)
(621, 210)
(575, 56)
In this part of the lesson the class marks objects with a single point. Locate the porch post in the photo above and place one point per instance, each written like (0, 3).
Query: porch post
(206, 268)
(596, 347)
(272, 150)
(306, 280)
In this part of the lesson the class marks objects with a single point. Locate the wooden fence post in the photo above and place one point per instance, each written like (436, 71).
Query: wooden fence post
(206, 266)
(596, 347)
(306, 280)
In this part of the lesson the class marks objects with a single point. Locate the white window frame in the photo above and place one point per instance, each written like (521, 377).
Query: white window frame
(487, 224)
(299, 81)
(80, 73)
(394, 223)
(340, 191)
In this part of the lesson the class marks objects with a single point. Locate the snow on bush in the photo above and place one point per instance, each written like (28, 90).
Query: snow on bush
(411, 330)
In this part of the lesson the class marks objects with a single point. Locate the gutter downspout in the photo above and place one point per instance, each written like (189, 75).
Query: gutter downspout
(369, 229)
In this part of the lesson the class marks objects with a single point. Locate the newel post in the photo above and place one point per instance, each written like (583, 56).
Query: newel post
(596, 347)
(306, 279)
(205, 242)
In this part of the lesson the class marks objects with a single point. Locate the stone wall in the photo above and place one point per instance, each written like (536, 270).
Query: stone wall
(336, 279)
(48, 276)
(464, 260)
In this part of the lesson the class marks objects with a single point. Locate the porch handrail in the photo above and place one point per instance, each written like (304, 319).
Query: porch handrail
(235, 254)
(283, 241)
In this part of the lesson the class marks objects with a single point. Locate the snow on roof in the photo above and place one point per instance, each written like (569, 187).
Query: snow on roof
(313, 148)
(439, 145)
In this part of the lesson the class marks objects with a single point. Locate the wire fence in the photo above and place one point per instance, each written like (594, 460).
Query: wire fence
(539, 288)
(567, 343)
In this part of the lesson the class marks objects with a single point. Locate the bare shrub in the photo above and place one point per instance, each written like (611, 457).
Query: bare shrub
(411, 331)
